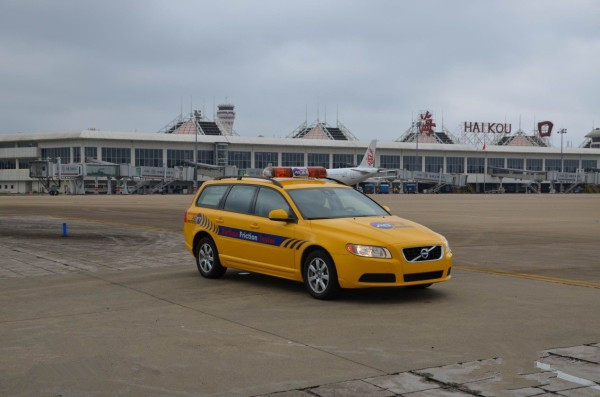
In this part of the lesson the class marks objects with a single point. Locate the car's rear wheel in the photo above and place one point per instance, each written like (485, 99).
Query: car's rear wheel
(320, 276)
(207, 259)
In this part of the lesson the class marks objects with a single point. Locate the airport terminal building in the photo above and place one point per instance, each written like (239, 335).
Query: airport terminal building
(486, 157)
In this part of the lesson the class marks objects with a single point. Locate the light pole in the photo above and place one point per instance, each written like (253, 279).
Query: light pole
(195, 157)
(561, 132)
(418, 159)
(418, 124)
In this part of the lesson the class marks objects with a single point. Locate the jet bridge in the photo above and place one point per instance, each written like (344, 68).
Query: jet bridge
(572, 179)
(53, 175)
(438, 179)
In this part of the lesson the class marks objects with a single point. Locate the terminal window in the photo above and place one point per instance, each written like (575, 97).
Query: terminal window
(515, 163)
(343, 160)
(475, 165)
(90, 153)
(178, 158)
(64, 153)
(588, 164)
(318, 160)
(552, 165)
(239, 159)
(535, 164)
(9, 164)
(116, 155)
(571, 165)
(76, 154)
(263, 159)
(387, 161)
(496, 162)
(292, 159)
(412, 163)
(206, 157)
(434, 163)
(455, 165)
(149, 157)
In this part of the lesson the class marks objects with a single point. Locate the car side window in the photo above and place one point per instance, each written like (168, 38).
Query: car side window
(211, 196)
(269, 200)
(239, 198)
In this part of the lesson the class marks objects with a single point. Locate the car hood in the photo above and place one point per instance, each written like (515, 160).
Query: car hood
(381, 230)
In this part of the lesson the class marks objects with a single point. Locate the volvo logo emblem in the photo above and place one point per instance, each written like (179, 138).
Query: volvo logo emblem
(424, 253)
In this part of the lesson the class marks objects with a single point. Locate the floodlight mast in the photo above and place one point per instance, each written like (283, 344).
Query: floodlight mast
(418, 165)
(562, 131)
(196, 161)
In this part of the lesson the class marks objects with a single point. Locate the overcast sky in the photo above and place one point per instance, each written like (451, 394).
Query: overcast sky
(374, 65)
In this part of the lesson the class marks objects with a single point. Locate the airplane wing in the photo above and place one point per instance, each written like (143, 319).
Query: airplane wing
(204, 165)
(370, 170)
(365, 170)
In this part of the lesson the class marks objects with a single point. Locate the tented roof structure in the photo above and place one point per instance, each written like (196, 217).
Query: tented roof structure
(195, 123)
(322, 130)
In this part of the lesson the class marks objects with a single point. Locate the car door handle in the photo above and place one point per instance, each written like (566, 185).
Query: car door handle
(254, 226)
(219, 220)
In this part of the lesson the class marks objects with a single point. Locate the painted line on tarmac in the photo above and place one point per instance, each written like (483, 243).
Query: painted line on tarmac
(568, 377)
(557, 280)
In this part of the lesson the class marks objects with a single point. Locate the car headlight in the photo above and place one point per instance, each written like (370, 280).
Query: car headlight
(446, 244)
(369, 251)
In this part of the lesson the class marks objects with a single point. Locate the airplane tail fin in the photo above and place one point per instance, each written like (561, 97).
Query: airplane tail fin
(368, 160)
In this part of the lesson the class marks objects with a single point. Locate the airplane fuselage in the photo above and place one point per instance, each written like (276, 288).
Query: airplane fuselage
(351, 176)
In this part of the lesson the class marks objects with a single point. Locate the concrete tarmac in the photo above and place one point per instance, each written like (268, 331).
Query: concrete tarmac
(116, 307)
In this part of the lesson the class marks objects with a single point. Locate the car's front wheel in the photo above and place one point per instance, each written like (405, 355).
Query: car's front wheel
(320, 276)
(207, 259)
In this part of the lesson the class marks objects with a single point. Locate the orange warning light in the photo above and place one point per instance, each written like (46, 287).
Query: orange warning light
(317, 172)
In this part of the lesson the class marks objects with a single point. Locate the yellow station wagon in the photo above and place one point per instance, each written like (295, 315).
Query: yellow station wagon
(296, 224)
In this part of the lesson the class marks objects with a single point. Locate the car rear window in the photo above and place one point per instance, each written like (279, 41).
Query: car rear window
(240, 198)
(211, 196)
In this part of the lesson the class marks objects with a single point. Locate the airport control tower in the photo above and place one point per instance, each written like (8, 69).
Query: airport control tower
(226, 116)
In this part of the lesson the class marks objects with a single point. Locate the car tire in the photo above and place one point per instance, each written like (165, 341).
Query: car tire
(320, 276)
(207, 259)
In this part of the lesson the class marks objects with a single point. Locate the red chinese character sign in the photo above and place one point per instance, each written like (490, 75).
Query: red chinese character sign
(426, 124)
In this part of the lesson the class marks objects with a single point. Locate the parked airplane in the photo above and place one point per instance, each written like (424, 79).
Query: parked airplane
(354, 175)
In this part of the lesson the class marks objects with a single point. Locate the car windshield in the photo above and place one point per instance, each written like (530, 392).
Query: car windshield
(323, 203)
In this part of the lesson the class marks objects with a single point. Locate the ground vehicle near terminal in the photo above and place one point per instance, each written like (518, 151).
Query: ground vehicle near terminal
(320, 232)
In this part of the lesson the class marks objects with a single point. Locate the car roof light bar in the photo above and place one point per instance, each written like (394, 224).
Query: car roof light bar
(292, 172)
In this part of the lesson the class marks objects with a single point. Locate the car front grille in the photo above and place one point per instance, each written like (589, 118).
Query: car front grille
(423, 276)
(378, 278)
(423, 254)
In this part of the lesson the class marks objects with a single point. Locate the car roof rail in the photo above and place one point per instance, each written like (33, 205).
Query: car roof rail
(240, 177)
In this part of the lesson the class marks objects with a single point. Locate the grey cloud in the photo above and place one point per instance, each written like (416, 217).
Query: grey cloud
(132, 65)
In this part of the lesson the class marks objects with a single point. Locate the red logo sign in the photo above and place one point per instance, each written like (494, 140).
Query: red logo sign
(545, 128)
(370, 157)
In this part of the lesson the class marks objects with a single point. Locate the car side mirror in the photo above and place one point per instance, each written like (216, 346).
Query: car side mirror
(279, 215)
